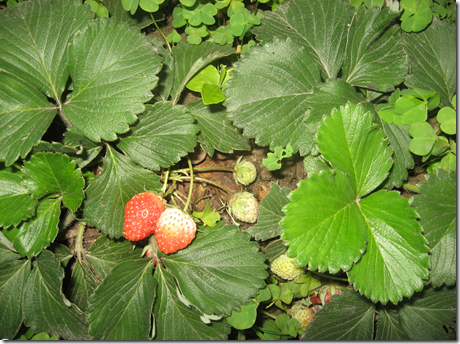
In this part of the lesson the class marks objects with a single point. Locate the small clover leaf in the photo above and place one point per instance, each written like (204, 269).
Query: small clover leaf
(416, 16)
(174, 37)
(178, 17)
(245, 317)
(410, 109)
(424, 138)
(448, 119)
(272, 162)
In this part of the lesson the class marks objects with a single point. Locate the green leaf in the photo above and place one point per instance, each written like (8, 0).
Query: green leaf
(348, 316)
(448, 119)
(270, 214)
(45, 307)
(349, 141)
(273, 160)
(220, 270)
(105, 254)
(372, 43)
(208, 216)
(163, 134)
(109, 92)
(35, 51)
(23, 109)
(216, 131)
(82, 285)
(15, 201)
(108, 193)
(53, 174)
(396, 250)
(424, 138)
(120, 307)
(212, 94)
(425, 315)
(245, 318)
(410, 109)
(189, 59)
(149, 5)
(432, 59)
(324, 34)
(140, 19)
(171, 313)
(13, 277)
(282, 73)
(35, 234)
(389, 325)
(87, 149)
(208, 75)
(436, 206)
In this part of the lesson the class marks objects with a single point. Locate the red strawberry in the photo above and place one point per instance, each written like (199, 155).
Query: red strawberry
(141, 215)
(175, 231)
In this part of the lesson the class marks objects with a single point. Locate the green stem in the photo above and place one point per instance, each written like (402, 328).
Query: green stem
(211, 182)
(161, 32)
(79, 249)
(329, 276)
(207, 168)
(189, 198)
(165, 182)
(255, 7)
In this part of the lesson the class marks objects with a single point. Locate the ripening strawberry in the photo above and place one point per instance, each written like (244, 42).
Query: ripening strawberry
(141, 215)
(175, 231)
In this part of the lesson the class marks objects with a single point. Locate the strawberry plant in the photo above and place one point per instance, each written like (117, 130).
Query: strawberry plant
(198, 236)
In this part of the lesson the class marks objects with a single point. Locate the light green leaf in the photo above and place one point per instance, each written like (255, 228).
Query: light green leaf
(424, 138)
(436, 206)
(45, 307)
(245, 318)
(23, 109)
(433, 59)
(322, 29)
(109, 91)
(163, 134)
(448, 119)
(212, 94)
(349, 316)
(35, 234)
(282, 73)
(270, 214)
(389, 325)
(372, 43)
(15, 201)
(189, 59)
(349, 141)
(175, 321)
(396, 261)
(53, 174)
(36, 50)
(108, 193)
(140, 19)
(216, 131)
(120, 307)
(220, 270)
(105, 254)
(208, 75)
(81, 285)
(426, 314)
(410, 109)
(13, 277)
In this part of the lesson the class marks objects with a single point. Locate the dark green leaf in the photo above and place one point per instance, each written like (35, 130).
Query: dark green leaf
(87, 149)
(108, 193)
(82, 285)
(45, 307)
(163, 134)
(389, 325)
(120, 307)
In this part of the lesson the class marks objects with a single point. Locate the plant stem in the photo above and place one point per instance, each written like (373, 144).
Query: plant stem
(329, 276)
(207, 168)
(79, 249)
(189, 198)
(165, 182)
(161, 32)
(211, 182)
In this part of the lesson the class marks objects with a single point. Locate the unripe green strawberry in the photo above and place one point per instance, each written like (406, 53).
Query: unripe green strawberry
(245, 172)
(174, 231)
(302, 313)
(286, 267)
(244, 207)
(141, 215)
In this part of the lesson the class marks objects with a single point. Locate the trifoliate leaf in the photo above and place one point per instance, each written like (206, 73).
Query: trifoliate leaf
(282, 73)
(348, 316)
(45, 307)
(111, 90)
(424, 138)
(208, 216)
(120, 307)
(53, 174)
(23, 109)
(15, 201)
(432, 59)
(429, 315)
(396, 250)
(436, 206)
(189, 59)
(140, 19)
(105, 254)
(108, 193)
(220, 270)
(35, 234)
(175, 321)
(324, 33)
(81, 285)
(270, 214)
(13, 277)
(245, 317)
(448, 119)
(216, 130)
(163, 134)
